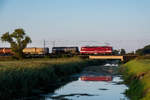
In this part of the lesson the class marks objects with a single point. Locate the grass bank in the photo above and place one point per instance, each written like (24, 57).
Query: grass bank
(23, 78)
(137, 76)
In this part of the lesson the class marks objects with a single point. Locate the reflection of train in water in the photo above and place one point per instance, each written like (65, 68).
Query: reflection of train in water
(100, 50)
(96, 78)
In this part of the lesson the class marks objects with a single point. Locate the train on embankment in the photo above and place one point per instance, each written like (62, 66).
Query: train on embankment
(40, 52)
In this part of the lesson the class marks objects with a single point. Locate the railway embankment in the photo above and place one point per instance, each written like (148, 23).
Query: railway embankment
(34, 76)
(137, 76)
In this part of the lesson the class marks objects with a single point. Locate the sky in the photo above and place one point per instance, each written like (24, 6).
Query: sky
(119, 23)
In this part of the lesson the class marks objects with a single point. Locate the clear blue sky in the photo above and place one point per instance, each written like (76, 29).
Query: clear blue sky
(122, 23)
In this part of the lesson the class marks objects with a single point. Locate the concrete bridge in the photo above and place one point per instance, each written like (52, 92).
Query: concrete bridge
(123, 58)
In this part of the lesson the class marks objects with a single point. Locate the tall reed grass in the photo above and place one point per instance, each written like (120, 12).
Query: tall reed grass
(23, 78)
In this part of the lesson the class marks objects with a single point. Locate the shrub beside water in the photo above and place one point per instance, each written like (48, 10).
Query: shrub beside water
(137, 76)
(23, 78)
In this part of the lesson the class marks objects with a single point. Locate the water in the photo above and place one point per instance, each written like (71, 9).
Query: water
(90, 90)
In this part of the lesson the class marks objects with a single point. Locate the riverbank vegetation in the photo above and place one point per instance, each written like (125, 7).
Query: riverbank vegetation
(143, 51)
(26, 77)
(137, 76)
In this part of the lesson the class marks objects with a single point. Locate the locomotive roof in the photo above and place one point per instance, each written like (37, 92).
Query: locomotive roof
(95, 46)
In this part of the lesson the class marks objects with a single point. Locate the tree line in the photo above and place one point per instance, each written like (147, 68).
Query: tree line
(143, 51)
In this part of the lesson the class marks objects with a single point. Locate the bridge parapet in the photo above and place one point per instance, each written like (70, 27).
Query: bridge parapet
(123, 58)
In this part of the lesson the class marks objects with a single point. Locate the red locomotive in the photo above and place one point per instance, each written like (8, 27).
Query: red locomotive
(96, 50)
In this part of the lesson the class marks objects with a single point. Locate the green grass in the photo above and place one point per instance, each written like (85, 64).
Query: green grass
(37, 62)
(22, 78)
(137, 76)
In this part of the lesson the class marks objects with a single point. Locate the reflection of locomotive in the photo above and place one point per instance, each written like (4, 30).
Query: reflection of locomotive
(96, 78)
(65, 50)
(96, 50)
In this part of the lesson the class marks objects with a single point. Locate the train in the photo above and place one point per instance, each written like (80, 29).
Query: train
(86, 50)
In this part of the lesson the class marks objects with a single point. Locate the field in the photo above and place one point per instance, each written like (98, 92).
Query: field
(25, 77)
(137, 76)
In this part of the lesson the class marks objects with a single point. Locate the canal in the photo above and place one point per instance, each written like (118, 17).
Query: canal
(93, 83)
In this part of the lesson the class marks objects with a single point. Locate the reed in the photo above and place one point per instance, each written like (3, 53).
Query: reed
(23, 78)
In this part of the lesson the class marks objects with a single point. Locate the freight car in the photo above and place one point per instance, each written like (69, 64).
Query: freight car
(35, 52)
(65, 50)
(5, 52)
(102, 50)
(28, 52)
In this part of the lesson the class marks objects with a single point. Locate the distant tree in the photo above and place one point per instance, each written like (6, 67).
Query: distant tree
(122, 52)
(144, 51)
(115, 52)
(139, 52)
(17, 40)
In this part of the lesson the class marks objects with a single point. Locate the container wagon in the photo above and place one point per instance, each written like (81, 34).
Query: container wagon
(5, 52)
(36, 51)
(65, 50)
(28, 52)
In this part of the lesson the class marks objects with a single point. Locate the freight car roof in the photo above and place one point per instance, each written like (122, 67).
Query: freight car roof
(64, 47)
(4, 47)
